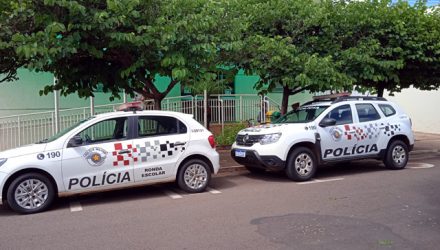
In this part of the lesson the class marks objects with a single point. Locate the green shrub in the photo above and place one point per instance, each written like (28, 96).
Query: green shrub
(229, 134)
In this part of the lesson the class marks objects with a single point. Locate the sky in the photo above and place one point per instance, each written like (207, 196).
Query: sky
(430, 2)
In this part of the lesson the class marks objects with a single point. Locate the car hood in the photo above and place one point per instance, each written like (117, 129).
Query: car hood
(24, 150)
(272, 128)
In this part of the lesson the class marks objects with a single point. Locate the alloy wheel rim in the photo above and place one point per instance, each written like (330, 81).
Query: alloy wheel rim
(399, 155)
(303, 164)
(31, 194)
(195, 176)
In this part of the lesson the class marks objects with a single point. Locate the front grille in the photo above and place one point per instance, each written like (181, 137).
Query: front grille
(247, 140)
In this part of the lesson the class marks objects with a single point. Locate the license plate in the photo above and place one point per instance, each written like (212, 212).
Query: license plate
(240, 153)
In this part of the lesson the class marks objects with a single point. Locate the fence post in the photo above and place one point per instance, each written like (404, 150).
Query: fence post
(222, 115)
(125, 97)
(205, 108)
(56, 94)
(19, 131)
(241, 108)
(92, 106)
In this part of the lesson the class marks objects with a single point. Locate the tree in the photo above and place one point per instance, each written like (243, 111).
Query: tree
(279, 47)
(119, 44)
(385, 45)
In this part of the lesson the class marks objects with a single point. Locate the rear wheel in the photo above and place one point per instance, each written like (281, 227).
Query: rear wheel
(30, 193)
(301, 164)
(194, 176)
(397, 155)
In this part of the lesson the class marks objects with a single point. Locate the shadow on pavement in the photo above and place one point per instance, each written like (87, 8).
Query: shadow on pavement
(327, 171)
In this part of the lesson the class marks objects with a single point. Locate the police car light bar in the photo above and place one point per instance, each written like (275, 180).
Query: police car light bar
(131, 106)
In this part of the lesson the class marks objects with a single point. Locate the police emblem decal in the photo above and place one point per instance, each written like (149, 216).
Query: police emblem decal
(336, 133)
(95, 156)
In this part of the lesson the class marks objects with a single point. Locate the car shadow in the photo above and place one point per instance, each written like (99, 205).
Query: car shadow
(136, 193)
(125, 195)
(332, 170)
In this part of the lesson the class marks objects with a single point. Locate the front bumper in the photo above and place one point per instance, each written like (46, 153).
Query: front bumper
(252, 158)
(3, 177)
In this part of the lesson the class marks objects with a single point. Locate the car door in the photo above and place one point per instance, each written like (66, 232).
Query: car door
(338, 141)
(160, 143)
(367, 129)
(102, 158)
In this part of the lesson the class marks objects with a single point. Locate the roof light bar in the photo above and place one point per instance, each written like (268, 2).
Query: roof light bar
(131, 106)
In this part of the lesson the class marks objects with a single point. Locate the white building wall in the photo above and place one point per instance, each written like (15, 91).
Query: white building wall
(422, 106)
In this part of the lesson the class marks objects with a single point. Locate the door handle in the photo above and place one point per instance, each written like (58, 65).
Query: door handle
(179, 143)
(124, 151)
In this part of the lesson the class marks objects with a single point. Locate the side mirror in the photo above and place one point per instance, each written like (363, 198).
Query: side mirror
(326, 122)
(75, 141)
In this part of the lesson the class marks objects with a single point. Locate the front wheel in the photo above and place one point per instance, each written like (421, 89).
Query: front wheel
(301, 164)
(194, 176)
(30, 193)
(396, 156)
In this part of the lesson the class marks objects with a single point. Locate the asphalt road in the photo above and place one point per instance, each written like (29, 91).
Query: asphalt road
(356, 206)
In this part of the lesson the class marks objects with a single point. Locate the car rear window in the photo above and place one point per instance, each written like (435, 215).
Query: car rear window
(387, 109)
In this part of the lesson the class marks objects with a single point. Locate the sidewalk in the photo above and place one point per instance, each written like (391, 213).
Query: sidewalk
(425, 143)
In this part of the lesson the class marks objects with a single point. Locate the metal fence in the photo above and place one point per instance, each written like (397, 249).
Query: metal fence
(24, 129)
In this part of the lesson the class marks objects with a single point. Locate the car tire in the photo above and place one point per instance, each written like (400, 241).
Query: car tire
(397, 155)
(194, 176)
(301, 164)
(30, 193)
(255, 170)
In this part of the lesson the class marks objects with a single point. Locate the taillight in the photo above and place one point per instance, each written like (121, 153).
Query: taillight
(211, 140)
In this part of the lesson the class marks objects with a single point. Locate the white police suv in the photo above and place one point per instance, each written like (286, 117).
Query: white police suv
(325, 130)
(109, 151)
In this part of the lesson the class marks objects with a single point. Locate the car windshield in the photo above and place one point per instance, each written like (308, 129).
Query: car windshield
(302, 114)
(64, 131)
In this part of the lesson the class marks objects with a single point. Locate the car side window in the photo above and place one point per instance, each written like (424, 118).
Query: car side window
(111, 129)
(159, 125)
(341, 114)
(387, 109)
(367, 112)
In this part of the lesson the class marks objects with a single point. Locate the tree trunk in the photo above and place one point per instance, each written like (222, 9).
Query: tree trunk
(380, 89)
(158, 103)
(285, 100)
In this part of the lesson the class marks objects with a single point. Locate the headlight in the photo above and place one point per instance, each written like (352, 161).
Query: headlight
(2, 161)
(270, 138)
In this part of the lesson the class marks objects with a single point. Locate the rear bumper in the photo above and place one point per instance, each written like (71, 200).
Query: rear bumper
(252, 158)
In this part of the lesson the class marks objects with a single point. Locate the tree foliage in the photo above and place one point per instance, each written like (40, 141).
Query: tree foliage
(119, 44)
(337, 45)
(279, 46)
(387, 45)
(299, 45)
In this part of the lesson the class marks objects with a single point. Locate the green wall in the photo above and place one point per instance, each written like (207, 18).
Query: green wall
(22, 96)
(244, 84)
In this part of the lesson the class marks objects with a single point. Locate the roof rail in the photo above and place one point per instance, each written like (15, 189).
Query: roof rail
(330, 97)
(358, 98)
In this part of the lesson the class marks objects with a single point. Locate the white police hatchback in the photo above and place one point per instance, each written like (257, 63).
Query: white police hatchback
(109, 151)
